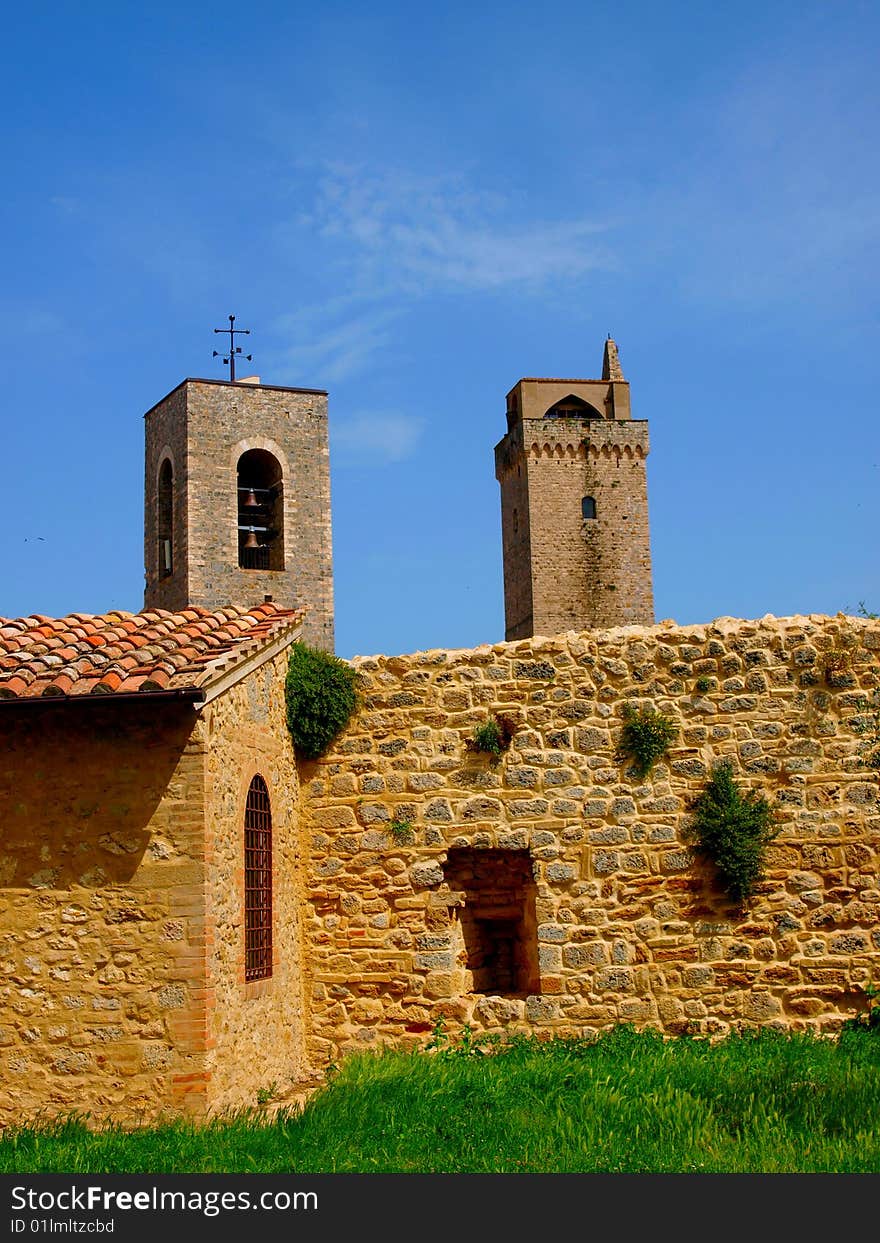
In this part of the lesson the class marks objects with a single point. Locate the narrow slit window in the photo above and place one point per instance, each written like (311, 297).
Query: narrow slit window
(588, 507)
(165, 515)
(257, 882)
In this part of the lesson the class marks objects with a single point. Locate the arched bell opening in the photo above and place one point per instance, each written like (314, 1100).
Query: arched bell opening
(260, 511)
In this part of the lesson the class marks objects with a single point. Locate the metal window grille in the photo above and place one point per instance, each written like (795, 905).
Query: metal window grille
(257, 882)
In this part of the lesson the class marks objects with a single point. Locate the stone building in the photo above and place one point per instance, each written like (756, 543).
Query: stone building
(574, 506)
(237, 500)
(151, 892)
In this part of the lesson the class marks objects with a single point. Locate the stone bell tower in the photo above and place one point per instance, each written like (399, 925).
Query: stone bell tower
(574, 506)
(237, 500)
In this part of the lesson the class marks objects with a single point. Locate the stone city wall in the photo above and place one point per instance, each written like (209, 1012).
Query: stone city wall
(419, 906)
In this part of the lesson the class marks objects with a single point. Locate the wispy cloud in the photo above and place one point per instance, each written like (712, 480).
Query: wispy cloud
(391, 238)
(375, 437)
(331, 342)
(411, 234)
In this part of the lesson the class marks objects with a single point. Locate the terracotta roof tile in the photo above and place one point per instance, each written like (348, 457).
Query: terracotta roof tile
(84, 654)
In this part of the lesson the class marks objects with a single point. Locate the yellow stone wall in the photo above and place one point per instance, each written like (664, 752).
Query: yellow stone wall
(630, 925)
(101, 910)
(255, 1030)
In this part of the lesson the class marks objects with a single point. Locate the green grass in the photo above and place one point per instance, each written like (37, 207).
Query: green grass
(758, 1102)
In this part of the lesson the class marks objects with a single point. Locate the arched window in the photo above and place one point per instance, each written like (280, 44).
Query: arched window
(260, 511)
(165, 515)
(515, 521)
(257, 882)
(588, 507)
(572, 407)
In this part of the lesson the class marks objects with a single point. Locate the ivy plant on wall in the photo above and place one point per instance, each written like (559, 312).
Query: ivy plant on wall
(733, 830)
(320, 696)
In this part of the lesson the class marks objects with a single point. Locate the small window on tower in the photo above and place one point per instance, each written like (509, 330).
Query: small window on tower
(165, 515)
(515, 522)
(588, 507)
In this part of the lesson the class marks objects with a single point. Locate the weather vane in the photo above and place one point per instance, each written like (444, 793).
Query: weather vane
(229, 358)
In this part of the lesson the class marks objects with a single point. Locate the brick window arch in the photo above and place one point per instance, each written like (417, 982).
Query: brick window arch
(257, 882)
(588, 507)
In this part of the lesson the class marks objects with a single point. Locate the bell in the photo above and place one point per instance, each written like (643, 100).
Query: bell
(251, 541)
(251, 501)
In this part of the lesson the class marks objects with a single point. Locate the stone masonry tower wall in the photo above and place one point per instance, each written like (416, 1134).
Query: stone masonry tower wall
(221, 456)
(574, 506)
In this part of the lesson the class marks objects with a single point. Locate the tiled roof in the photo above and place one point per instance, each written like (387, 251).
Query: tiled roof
(119, 653)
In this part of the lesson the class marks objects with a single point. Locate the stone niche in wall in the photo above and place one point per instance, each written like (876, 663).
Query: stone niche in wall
(496, 927)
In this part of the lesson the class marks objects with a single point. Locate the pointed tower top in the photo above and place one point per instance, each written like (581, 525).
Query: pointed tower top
(610, 362)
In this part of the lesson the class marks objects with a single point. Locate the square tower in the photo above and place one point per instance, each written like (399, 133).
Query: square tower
(574, 506)
(237, 500)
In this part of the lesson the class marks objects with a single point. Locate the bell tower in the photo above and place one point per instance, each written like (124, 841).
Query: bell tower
(237, 500)
(574, 506)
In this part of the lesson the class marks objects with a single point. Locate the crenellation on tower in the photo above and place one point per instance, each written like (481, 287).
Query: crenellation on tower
(574, 505)
(237, 500)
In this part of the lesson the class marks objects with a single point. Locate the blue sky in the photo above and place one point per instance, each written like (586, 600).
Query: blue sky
(415, 208)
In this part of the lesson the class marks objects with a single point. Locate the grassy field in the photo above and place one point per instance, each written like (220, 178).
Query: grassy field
(760, 1102)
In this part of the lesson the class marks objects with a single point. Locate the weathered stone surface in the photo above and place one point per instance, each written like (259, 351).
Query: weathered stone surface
(619, 888)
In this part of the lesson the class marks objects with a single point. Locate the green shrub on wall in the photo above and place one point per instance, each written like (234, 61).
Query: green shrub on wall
(493, 737)
(319, 691)
(733, 830)
(402, 832)
(646, 737)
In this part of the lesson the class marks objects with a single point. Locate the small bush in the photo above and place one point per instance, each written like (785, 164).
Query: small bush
(320, 695)
(265, 1095)
(402, 832)
(837, 661)
(647, 736)
(493, 736)
(733, 830)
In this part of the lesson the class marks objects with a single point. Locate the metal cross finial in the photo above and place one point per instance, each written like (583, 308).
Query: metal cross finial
(229, 357)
